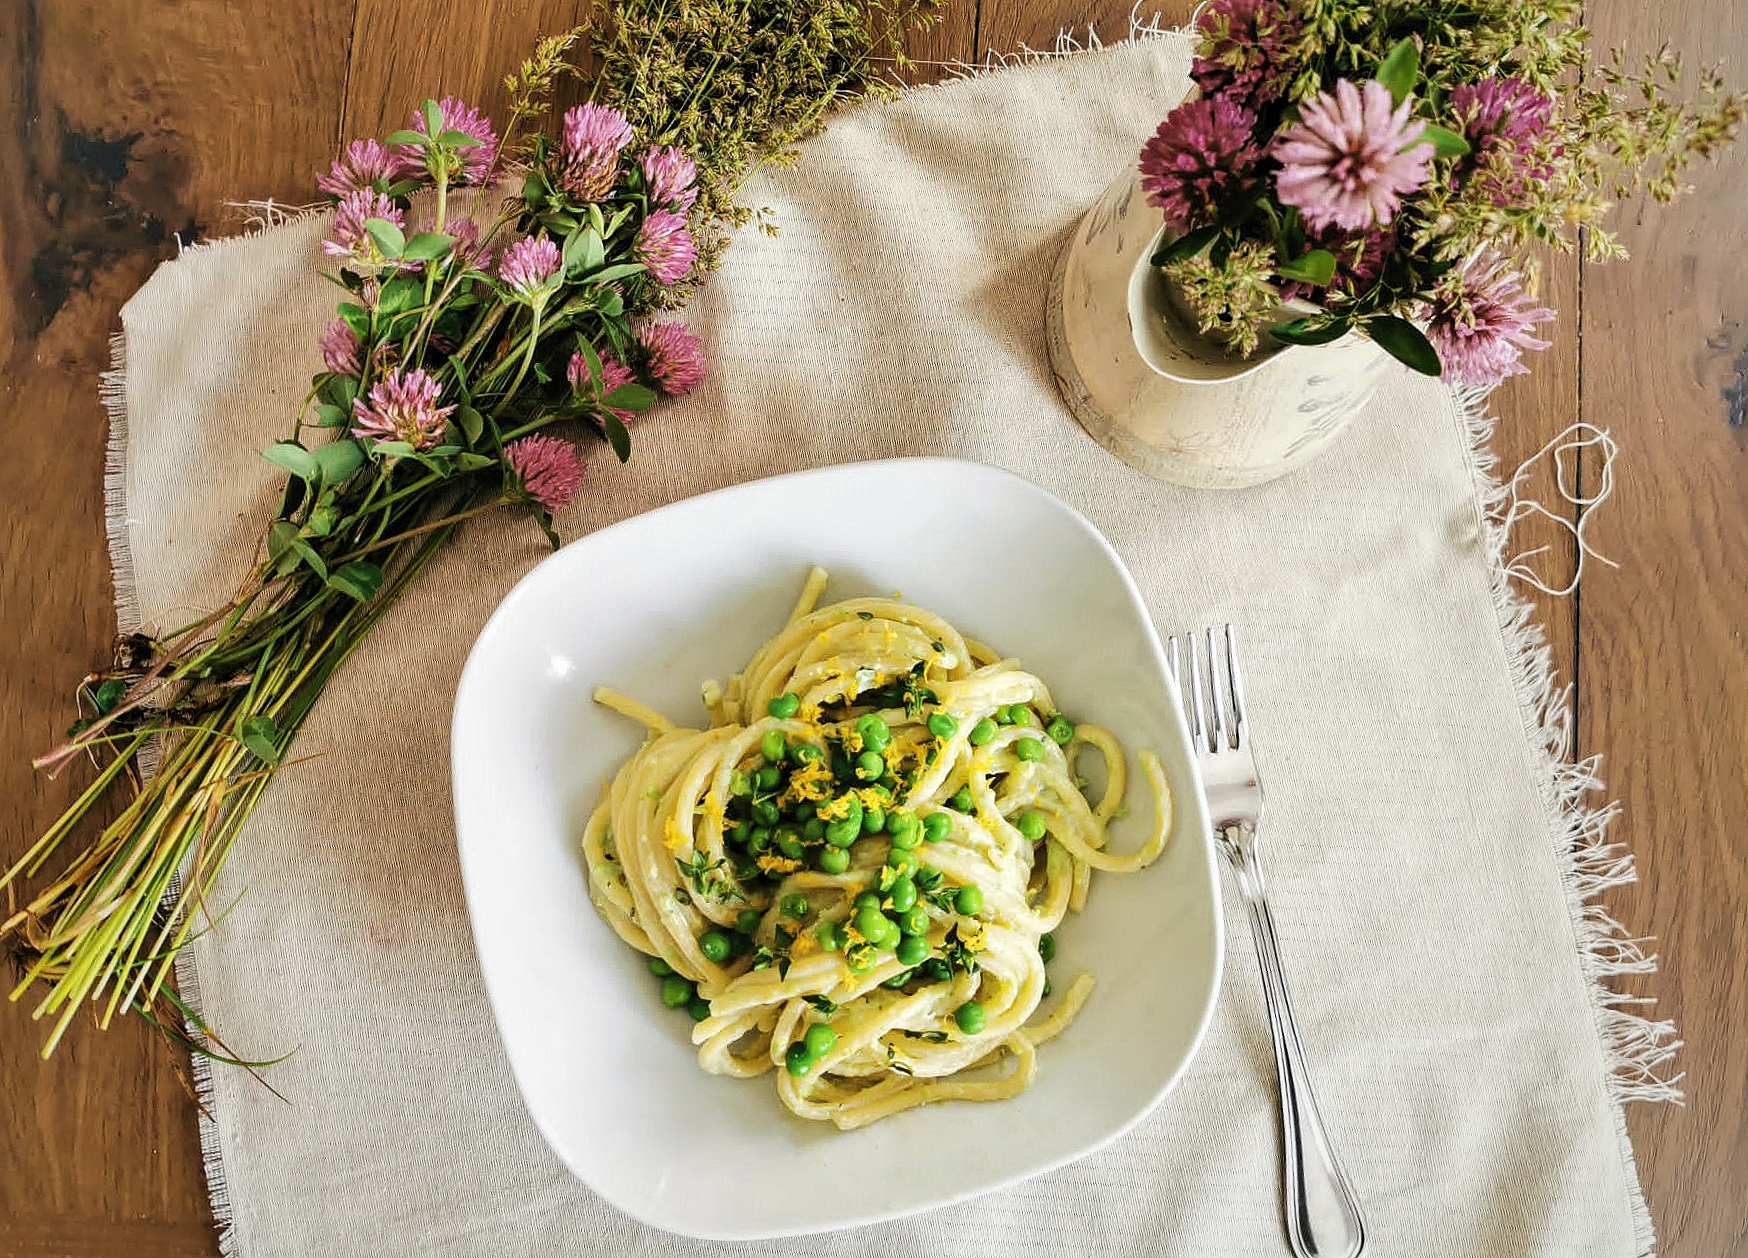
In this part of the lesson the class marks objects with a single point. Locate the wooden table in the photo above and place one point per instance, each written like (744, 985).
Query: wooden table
(130, 124)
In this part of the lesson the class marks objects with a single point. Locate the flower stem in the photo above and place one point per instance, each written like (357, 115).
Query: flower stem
(457, 518)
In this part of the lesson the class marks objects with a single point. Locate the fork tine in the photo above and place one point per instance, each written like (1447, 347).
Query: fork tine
(1216, 729)
(1235, 688)
(1193, 693)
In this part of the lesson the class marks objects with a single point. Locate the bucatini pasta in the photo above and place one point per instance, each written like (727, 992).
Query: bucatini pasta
(851, 877)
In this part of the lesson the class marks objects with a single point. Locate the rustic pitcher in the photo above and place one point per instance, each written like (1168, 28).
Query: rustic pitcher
(1165, 399)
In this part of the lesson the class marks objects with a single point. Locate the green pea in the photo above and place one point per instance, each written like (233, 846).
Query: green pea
(912, 950)
(899, 979)
(937, 826)
(889, 784)
(736, 834)
(676, 991)
(942, 725)
(746, 870)
(747, 921)
(659, 967)
(820, 1039)
(875, 733)
(936, 970)
(793, 906)
(834, 860)
(773, 745)
(806, 810)
(814, 830)
(739, 945)
(901, 859)
(843, 832)
(766, 779)
(784, 706)
(982, 732)
(759, 839)
(766, 815)
(797, 1060)
(1031, 824)
(867, 900)
(880, 789)
(698, 1008)
(873, 820)
(739, 784)
(961, 800)
(1019, 714)
(1029, 749)
(927, 878)
(870, 766)
(904, 831)
(914, 920)
(1047, 948)
(971, 1017)
(871, 922)
(714, 945)
(804, 753)
(1004, 716)
(1060, 729)
(902, 893)
(827, 934)
(969, 901)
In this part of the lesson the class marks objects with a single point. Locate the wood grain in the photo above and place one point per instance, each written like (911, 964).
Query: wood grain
(126, 126)
(1665, 700)
(129, 124)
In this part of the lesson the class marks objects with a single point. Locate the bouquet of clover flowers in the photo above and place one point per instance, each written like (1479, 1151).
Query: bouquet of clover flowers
(1389, 168)
(472, 334)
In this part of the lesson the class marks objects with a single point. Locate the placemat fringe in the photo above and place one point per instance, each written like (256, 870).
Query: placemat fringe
(112, 391)
(1636, 1049)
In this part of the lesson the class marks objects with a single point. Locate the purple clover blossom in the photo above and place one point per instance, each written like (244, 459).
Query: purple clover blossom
(364, 164)
(676, 357)
(613, 374)
(1200, 155)
(456, 115)
(665, 247)
(1505, 116)
(529, 265)
(589, 152)
(467, 249)
(1245, 51)
(547, 470)
(1351, 157)
(402, 407)
(1482, 321)
(341, 348)
(669, 179)
(349, 241)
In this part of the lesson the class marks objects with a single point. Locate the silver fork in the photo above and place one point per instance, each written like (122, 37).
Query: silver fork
(1323, 1217)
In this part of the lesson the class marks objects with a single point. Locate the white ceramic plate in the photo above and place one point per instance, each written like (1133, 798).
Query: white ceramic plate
(653, 606)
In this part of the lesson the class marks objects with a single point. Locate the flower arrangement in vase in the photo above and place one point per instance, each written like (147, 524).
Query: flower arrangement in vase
(1349, 183)
(1392, 169)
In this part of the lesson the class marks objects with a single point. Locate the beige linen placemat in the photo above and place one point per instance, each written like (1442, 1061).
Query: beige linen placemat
(1428, 860)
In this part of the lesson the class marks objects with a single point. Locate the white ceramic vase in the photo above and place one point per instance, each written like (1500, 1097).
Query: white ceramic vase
(1163, 398)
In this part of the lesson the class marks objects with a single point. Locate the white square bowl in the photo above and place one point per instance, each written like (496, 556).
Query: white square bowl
(653, 606)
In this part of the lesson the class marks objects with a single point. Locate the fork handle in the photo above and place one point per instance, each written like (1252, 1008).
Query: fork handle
(1323, 1216)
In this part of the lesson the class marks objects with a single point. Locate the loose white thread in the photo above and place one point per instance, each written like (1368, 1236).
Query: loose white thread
(1573, 441)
